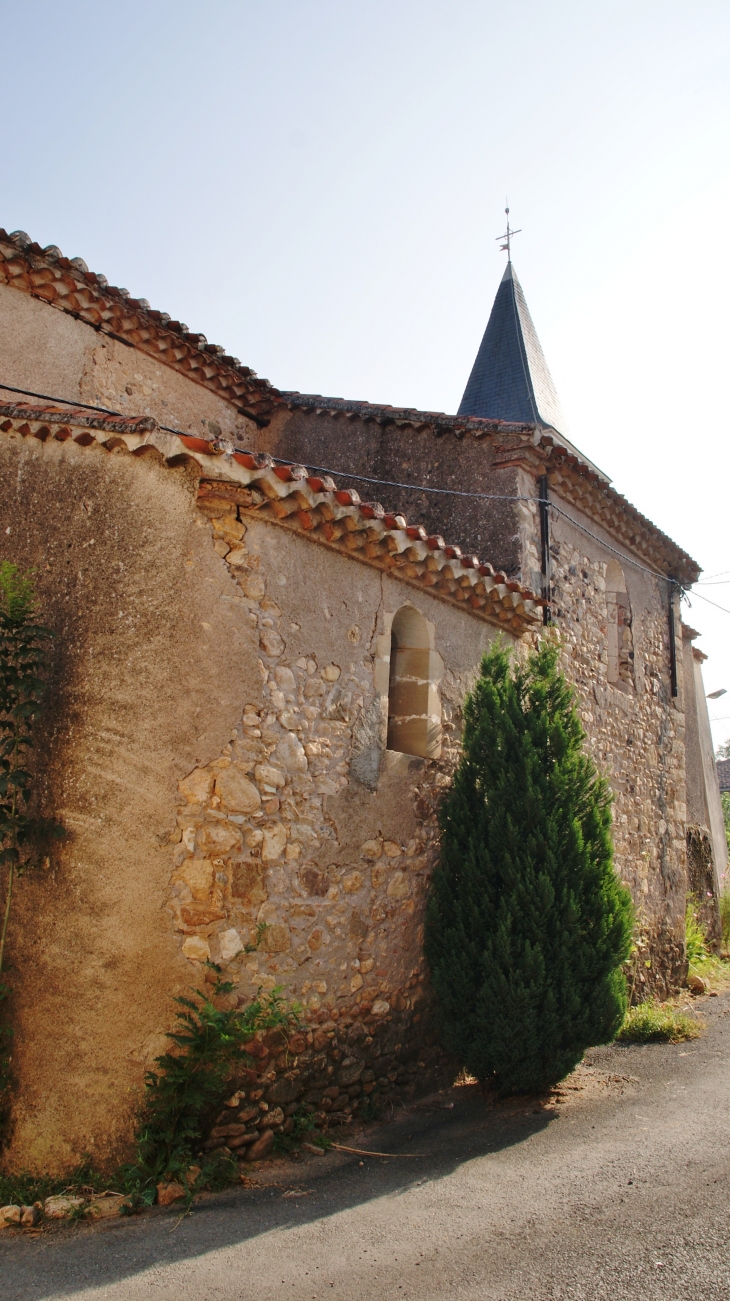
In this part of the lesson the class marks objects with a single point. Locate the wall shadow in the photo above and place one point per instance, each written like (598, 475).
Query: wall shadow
(62, 1265)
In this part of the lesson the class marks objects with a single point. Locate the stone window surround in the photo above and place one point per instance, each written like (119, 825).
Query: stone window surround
(619, 635)
(430, 742)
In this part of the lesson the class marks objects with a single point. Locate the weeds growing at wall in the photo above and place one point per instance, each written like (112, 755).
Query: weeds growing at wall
(654, 1022)
(185, 1092)
(714, 970)
(183, 1096)
(304, 1123)
(23, 1188)
(23, 668)
(697, 949)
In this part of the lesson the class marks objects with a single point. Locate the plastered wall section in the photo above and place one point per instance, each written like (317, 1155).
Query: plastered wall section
(635, 730)
(47, 351)
(152, 662)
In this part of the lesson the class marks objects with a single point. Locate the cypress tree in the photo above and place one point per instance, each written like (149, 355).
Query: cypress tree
(527, 923)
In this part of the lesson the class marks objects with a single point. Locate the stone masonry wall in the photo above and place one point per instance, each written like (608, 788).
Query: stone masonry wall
(413, 455)
(261, 838)
(635, 732)
(277, 829)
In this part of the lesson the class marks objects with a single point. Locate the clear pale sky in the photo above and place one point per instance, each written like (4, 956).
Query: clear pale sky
(317, 185)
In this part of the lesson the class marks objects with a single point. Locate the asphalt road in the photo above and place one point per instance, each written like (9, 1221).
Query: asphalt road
(618, 1189)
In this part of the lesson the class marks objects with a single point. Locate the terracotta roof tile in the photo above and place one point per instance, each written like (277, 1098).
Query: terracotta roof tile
(73, 416)
(310, 504)
(382, 414)
(68, 284)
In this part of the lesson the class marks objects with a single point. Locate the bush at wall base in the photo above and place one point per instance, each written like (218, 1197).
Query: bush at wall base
(527, 922)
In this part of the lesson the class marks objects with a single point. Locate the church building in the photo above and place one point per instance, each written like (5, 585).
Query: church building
(268, 607)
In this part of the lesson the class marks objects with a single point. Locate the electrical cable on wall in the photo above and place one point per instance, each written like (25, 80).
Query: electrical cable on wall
(407, 487)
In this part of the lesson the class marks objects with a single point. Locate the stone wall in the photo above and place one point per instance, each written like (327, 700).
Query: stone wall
(407, 453)
(277, 829)
(612, 614)
(206, 647)
(358, 1062)
(635, 728)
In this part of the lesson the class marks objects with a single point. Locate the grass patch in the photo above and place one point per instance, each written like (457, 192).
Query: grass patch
(653, 1022)
(712, 968)
(725, 917)
(23, 1189)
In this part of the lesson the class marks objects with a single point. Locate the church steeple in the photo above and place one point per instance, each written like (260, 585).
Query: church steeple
(510, 379)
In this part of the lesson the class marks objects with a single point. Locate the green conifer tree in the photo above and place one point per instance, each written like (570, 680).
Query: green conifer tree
(527, 922)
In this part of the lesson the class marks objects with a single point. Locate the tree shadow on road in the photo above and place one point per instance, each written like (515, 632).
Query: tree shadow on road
(443, 1134)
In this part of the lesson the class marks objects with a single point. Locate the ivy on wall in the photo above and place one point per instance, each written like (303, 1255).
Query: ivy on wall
(23, 671)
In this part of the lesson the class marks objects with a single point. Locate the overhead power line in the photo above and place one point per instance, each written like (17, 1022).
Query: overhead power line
(406, 487)
(724, 608)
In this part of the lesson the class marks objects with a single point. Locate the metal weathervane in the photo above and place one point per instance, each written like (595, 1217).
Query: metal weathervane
(507, 237)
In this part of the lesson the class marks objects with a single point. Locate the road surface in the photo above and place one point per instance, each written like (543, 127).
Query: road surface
(618, 1189)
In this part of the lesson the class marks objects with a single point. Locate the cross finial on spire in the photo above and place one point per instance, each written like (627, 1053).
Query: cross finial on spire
(507, 237)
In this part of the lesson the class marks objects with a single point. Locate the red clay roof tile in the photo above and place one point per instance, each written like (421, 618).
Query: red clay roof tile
(69, 285)
(291, 497)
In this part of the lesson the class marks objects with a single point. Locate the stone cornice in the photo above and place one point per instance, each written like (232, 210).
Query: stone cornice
(586, 491)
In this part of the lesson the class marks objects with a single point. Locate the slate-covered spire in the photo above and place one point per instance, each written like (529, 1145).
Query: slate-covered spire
(510, 379)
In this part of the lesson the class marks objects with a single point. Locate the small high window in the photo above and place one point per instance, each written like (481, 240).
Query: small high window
(414, 705)
(619, 635)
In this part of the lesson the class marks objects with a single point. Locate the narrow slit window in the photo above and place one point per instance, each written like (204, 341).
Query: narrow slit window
(414, 704)
(619, 632)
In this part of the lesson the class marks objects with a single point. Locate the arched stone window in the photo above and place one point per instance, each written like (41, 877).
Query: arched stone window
(619, 636)
(414, 705)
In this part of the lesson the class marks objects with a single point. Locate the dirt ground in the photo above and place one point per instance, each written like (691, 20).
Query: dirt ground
(617, 1186)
